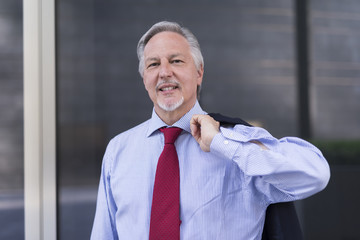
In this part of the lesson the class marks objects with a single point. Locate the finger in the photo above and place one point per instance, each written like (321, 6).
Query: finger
(195, 132)
(195, 119)
(195, 128)
(195, 123)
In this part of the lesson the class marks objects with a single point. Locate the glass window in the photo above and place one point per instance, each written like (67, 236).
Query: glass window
(336, 69)
(335, 103)
(11, 121)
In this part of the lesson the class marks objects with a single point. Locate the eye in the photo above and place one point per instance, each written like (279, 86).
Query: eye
(176, 61)
(153, 64)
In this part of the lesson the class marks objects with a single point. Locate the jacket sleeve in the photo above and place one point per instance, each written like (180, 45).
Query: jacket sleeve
(283, 169)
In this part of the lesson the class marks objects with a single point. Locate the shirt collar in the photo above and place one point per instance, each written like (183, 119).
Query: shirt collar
(183, 123)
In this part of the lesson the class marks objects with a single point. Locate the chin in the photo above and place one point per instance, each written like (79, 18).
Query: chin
(172, 106)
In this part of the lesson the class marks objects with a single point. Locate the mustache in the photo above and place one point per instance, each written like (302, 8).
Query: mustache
(170, 81)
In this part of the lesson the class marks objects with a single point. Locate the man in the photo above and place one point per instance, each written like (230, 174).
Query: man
(228, 176)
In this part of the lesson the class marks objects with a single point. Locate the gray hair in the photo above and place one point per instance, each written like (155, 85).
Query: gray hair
(170, 27)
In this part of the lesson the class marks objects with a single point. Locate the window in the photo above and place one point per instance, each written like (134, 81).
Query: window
(11, 121)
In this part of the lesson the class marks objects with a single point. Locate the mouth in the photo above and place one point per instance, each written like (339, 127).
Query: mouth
(164, 89)
(167, 86)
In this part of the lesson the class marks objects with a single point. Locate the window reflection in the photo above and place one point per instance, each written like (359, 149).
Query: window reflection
(11, 121)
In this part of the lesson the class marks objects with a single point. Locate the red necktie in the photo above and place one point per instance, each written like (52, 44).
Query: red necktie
(165, 209)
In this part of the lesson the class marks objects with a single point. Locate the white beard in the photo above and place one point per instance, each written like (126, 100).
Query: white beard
(171, 106)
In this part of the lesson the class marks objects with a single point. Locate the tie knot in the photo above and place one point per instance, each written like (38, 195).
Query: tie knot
(171, 134)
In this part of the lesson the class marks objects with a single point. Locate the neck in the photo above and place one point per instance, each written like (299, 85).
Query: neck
(171, 117)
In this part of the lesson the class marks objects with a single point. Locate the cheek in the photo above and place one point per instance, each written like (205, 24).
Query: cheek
(147, 83)
(190, 89)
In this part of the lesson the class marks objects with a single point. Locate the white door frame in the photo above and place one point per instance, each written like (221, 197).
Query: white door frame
(39, 119)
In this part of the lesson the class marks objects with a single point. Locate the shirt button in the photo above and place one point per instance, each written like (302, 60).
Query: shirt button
(226, 142)
(231, 134)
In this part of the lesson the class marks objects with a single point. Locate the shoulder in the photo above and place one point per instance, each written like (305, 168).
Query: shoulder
(130, 135)
(123, 143)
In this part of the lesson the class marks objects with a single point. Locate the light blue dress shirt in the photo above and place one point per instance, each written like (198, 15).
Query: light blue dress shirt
(224, 193)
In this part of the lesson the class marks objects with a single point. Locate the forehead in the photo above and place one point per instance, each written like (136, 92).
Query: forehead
(166, 42)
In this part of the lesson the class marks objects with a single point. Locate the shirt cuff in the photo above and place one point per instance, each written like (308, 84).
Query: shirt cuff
(222, 144)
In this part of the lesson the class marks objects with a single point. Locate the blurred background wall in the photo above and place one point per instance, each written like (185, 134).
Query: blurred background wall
(11, 121)
(291, 67)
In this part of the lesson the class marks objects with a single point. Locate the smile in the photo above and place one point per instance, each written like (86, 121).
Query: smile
(168, 88)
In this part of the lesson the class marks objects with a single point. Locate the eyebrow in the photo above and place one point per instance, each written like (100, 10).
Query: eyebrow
(170, 57)
(151, 59)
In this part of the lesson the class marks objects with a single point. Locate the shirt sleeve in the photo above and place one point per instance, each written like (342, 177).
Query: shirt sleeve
(104, 226)
(288, 169)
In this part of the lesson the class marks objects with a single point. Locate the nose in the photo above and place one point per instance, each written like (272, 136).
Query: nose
(165, 70)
